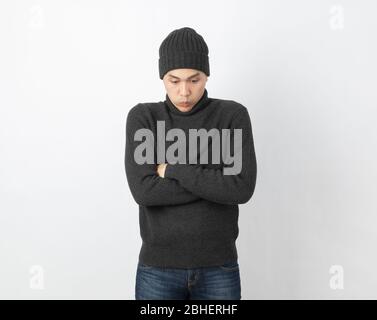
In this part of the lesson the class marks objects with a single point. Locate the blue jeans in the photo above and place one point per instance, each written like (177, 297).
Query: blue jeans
(204, 283)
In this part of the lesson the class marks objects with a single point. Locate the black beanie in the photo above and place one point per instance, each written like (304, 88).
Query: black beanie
(183, 48)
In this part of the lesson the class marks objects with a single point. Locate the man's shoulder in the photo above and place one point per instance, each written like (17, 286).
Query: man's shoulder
(139, 107)
(143, 108)
(228, 106)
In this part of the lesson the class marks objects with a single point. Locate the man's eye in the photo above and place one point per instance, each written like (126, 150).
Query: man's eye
(194, 81)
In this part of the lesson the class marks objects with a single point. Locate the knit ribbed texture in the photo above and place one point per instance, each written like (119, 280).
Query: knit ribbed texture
(189, 218)
(183, 48)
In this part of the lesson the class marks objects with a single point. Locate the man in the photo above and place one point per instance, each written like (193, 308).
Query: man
(188, 210)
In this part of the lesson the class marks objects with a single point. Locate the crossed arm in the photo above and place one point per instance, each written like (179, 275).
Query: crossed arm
(147, 187)
(172, 184)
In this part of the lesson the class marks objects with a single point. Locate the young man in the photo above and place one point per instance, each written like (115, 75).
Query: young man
(188, 206)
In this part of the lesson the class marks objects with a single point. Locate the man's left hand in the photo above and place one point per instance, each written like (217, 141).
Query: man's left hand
(161, 169)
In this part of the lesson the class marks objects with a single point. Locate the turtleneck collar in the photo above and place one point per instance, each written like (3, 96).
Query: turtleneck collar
(202, 103)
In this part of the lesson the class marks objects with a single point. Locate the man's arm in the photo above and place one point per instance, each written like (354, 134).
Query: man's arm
(147, 188)
(212, 184)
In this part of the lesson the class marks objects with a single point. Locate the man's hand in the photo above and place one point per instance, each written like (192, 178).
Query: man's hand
(161, 169)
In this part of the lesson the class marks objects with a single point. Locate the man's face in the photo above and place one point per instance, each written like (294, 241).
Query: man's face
(185, 87)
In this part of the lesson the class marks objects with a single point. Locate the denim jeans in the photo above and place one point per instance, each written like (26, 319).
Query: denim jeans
(205, 283)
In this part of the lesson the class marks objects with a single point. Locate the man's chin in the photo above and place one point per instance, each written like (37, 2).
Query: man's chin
(186, 109)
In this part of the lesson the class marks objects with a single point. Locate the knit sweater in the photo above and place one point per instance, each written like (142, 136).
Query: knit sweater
(189, 217)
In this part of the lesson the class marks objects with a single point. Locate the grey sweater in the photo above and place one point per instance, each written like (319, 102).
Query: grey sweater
(189, 218)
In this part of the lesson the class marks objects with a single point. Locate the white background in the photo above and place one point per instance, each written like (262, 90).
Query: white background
(71, 70)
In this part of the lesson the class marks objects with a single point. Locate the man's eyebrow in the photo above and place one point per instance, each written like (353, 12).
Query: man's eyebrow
(194, 75)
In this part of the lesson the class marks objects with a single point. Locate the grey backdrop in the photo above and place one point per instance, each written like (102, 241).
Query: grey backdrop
(70, 71)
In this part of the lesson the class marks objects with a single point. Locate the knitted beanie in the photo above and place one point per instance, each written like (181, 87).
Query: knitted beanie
(183, 48)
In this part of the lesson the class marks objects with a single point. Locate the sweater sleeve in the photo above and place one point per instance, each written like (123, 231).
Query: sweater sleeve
(211, 184)
(147, 187)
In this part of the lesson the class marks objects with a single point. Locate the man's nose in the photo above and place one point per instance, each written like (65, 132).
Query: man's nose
(184, 89)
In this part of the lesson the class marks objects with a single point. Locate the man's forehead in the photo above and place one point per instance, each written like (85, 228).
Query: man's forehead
(175, 74)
